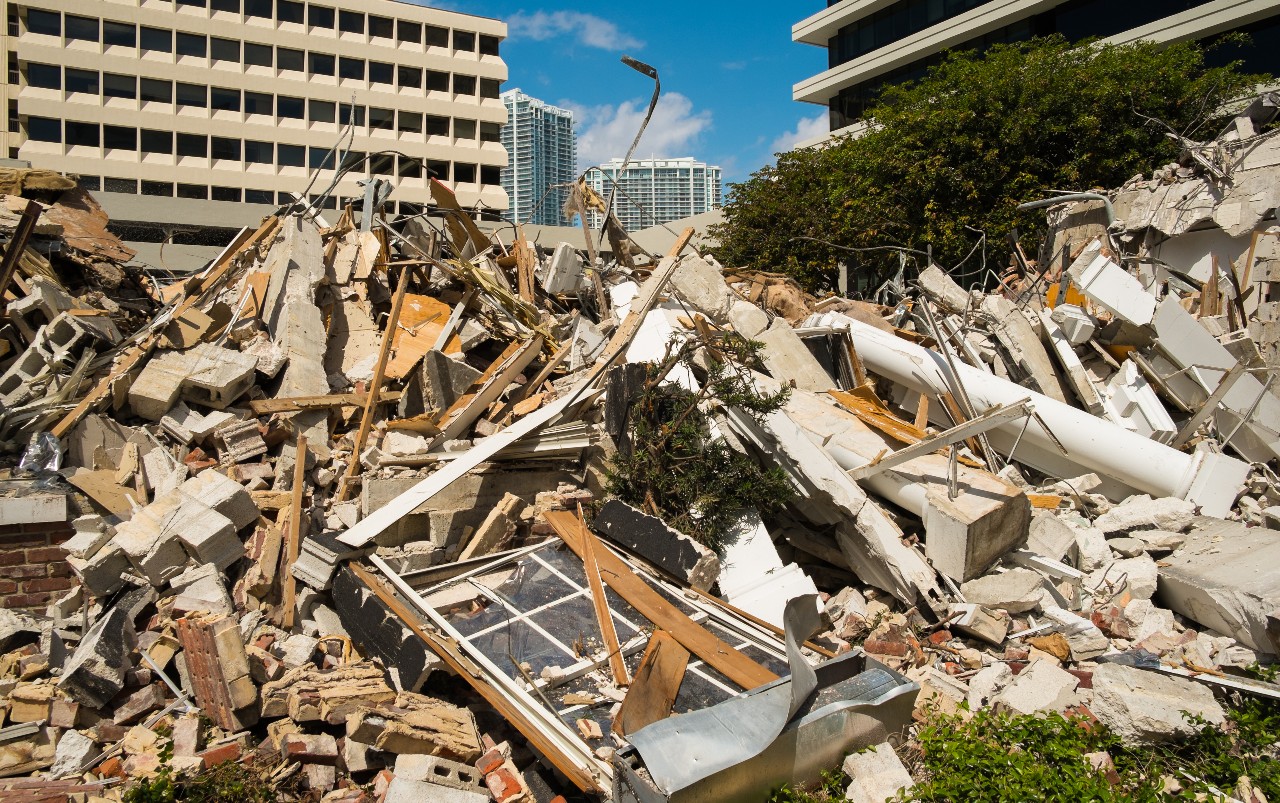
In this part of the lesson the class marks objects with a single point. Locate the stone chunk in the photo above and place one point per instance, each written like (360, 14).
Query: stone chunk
(877, 775)
(1141, 512)
(1016, 591)
(95, 672)
(223, 494)
(789, 360)
(649, 537)
(156, 389)
(75, 751)
(1137, 575)
(1042, 686)
(418, 724)
(1146, 707)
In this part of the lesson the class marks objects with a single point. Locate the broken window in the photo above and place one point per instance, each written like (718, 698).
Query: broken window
(197, 191)
(464, 173)
(382, 119)
(162, 189)
(125, 185)
(225, 194)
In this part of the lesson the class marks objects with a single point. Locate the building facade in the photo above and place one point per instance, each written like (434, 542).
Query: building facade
(654, 191)
(542, 157)
(874, 43)
(237, 102)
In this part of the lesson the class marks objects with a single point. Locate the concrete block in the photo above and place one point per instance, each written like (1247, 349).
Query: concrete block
(876, 774)
(1112, 287)
(102, 574)
(1015, 591)
(1137, 575)
(36, 508)
(155, 555)
(1144, 707)
(747, 319)
(701, 285)
(156, 389)
(440, 771)
(1078, 326)
(788, 359)
(1041, 686)
(224, 495)
(208, 536)
(1049, 537)
(445, 379)
(670, 550)
(380, 634)
(1132, 403)
(217, 376)
(403, 790)
(942, 288)
(563, 272)
(95, 672)
(242, 440)
(1141, 512)
(966, 535)
(45, 301)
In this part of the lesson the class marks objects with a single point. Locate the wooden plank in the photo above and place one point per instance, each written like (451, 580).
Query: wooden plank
(449, 652)
(656, 685)
(995, 417)
(296, 403)
(422, 320)
(716, 653)
(500, 374)
(102, 488)
(609, 634)
(863, 403)
(526, 261)
(294, 542)
(17, 245)
(379, 372)
(922, 413)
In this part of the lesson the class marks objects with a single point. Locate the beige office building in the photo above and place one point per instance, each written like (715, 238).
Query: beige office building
(224, 105)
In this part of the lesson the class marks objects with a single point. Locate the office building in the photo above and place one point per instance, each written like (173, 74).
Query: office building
(211, 109)
(654, 191)
(542, 157)
(873, 43)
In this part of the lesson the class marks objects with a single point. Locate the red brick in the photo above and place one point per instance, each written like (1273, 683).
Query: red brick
(503, 785)
(49, 584)
(8, 586)
(24, 572)
(222, 753)
(51, 527)
(27, 600)
(111, 768)
(12, 557)
(490, 761)
(939, 637)
(46, 554)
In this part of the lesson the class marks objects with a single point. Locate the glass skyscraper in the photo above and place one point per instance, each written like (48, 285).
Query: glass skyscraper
(654, 191)
(542, 156)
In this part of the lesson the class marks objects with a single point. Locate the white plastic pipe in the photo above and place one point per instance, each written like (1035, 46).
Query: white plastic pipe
(1092, 444)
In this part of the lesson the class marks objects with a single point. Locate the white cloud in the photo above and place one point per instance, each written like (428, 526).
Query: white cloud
(587, 29)
(605, 132)
(807, 128)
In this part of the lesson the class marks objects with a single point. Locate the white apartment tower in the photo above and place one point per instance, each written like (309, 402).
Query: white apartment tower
(542, 153)
(654, 191)
(874, 43)
(211, 107)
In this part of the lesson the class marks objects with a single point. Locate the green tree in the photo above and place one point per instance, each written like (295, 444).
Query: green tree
(958, 150)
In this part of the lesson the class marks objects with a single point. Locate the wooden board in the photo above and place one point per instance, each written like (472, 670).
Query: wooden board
(656, 684)
(422, 319)
(716, 653)
(604, 617)
(296, 403)
(101, 487)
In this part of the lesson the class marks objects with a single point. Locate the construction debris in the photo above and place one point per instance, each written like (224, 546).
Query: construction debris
(351, 494)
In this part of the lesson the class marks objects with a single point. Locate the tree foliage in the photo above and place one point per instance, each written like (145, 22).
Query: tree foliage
(958, 150)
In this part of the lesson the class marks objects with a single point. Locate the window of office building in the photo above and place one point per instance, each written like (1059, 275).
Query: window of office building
(225, 194)
(382, 119)
(290, 108)
(437, 126)
(409, 32)
(15, 120)
(438, 170)
(381, 27)
(90, 183)
(291, 155)
(193, 95)
(156, 40)
(119, 34)
(190, 44)
(118, 137)
(256, 55)
(258, 153)
(227, 50)
(260, 9)
(319, 16)
(437, 81)
(44, 129)
(320, 63)
(194, 3)
(490, 174)
(197, 191)
(289, 59)
(464, 129)
(490, 87)
(125, 185)
(464, 41)
(259, 196)
(347, 112)
(289, 11)
(382, 164)
(119, 86)
(489, 45)
(436, 36)
(224, 100)
(224, 148)
(490, 132)
(354, 160)
(381, 73)
(464, 173)
(153, 90)
(81, 81)
(409, 77)
(156, 141)
(44, 76)
(464, 84)
(48, 23)
(409, 167)
(225, 5)
(83, 29)
(258, 103)
(321, 111)
(351, 68)
(350, 21)
(193, 145)
(162, 189)
(410, 123)
(15, 72)
(319, 158)
(83, 133)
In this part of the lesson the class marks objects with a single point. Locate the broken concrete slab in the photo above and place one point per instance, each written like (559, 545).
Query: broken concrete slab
(789, 361)
(651, 539)
(876, 775)
(1144, 707)
(95, 673)
(1141, 512)
(1016, 591)
(1041, 686)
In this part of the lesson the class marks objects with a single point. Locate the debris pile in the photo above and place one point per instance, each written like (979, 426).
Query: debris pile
(345, 503)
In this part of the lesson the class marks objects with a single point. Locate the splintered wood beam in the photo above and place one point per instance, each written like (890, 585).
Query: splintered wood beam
(989, 420)
(296, 403)
(657, 682)
(18, 244)
(379, 372)
(292, 547)
(718, 654)
(617, 664)
(526, 261)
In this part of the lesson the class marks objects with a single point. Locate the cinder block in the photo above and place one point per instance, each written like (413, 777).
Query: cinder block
(156, 389)
(223, 494)
(218, 376)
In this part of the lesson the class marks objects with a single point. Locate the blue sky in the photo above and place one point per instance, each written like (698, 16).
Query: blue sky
(726, 69)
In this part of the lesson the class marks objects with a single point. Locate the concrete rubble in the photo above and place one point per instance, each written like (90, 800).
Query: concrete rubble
(346, 497)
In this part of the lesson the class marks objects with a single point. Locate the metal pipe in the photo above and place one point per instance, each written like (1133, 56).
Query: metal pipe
(1072, 196)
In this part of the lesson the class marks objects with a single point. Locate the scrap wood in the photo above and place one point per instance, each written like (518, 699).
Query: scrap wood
(716, 653)
(990, 419)
(604, 617)
(295, 403)
(656, 685)
(486, 389)
(17, 245)
(294, 536)
(421, 323)
(525, 261)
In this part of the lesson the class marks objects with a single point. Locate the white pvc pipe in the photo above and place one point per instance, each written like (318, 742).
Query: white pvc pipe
(1092, 444)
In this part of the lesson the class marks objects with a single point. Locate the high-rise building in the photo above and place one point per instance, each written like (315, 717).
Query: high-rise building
(654, 191)
(542, 158)
(874, 44)
(202, 109)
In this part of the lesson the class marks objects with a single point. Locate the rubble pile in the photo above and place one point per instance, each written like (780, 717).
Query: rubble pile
(341, 501)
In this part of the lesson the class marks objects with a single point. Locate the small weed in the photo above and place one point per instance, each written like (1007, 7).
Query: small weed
(228, 781)
(830, 788)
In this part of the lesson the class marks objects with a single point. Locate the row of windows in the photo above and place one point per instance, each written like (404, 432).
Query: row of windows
(152, 142)
(108, 32)
(203, 192)
(157, 90)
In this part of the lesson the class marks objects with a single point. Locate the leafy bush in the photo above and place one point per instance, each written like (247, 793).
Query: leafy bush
(228, 781)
